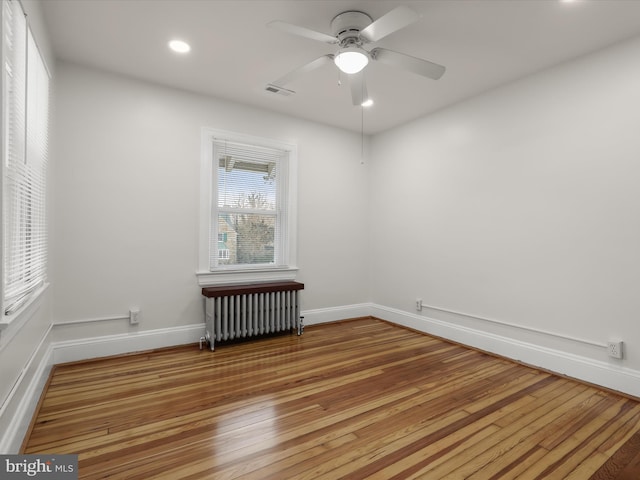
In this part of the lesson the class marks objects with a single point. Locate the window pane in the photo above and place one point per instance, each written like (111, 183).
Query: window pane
(249, 209)
(249, 185)
(250, 239)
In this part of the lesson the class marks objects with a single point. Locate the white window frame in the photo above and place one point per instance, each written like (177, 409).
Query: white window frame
(287, 269)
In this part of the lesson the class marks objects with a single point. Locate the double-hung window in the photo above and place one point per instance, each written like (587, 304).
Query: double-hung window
(247, 209)
(25, 112)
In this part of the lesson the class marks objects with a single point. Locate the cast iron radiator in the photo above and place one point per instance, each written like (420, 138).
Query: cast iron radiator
(247, 310)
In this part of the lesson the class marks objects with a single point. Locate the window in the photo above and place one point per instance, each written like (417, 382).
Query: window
(25, 110)
(247, 208)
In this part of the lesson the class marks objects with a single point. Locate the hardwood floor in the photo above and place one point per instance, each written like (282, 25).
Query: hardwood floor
(624, 464)
(356, 399)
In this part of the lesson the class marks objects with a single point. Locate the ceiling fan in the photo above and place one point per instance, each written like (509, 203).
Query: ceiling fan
(351, 30)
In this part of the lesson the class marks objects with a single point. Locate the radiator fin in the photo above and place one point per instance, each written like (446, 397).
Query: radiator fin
(244, 315)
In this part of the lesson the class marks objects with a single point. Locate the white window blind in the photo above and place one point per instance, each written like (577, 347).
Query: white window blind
(249, 215)
(25, 139)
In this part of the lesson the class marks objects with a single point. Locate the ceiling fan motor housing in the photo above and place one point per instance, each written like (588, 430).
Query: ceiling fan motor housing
(346, 27)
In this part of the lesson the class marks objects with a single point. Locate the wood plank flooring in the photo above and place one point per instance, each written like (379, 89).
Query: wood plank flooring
(624, 464)
(356, 399)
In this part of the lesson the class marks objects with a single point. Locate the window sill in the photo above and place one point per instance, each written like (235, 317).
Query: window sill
(221, 277)
(10, 325)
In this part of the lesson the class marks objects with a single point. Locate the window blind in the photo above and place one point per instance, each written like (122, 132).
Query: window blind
(249, 213)
(25, 123)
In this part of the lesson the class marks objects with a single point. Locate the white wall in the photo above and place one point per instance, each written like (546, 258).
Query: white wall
(126, 205)
(521, 206)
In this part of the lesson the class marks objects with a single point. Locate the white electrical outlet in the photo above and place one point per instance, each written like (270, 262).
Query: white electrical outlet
(134, 316)
(419, 304)
(614, 349)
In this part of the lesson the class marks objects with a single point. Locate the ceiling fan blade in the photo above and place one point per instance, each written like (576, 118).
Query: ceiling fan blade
(292, 75)
(302, 32)
(390, 22)
(407, 62)
(358, 88)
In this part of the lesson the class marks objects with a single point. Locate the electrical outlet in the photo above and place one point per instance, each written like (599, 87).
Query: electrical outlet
(134, 316)
(419, 304)
(614, 349)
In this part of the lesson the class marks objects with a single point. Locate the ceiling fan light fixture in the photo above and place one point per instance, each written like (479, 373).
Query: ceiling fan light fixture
(351, 60)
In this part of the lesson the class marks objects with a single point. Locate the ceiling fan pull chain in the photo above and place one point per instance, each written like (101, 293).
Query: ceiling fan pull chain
(361, 135)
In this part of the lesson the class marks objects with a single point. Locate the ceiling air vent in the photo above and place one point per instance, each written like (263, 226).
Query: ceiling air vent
(279, 90)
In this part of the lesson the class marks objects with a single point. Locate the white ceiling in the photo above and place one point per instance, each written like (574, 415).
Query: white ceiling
(483, 44)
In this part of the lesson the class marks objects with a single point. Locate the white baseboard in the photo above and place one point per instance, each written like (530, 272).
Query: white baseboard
(86, 348)
(608, 375)
(333, 314)
(25, 406)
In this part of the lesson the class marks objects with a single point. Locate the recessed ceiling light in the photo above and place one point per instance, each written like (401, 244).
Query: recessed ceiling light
(367, 103)
(179, 46)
